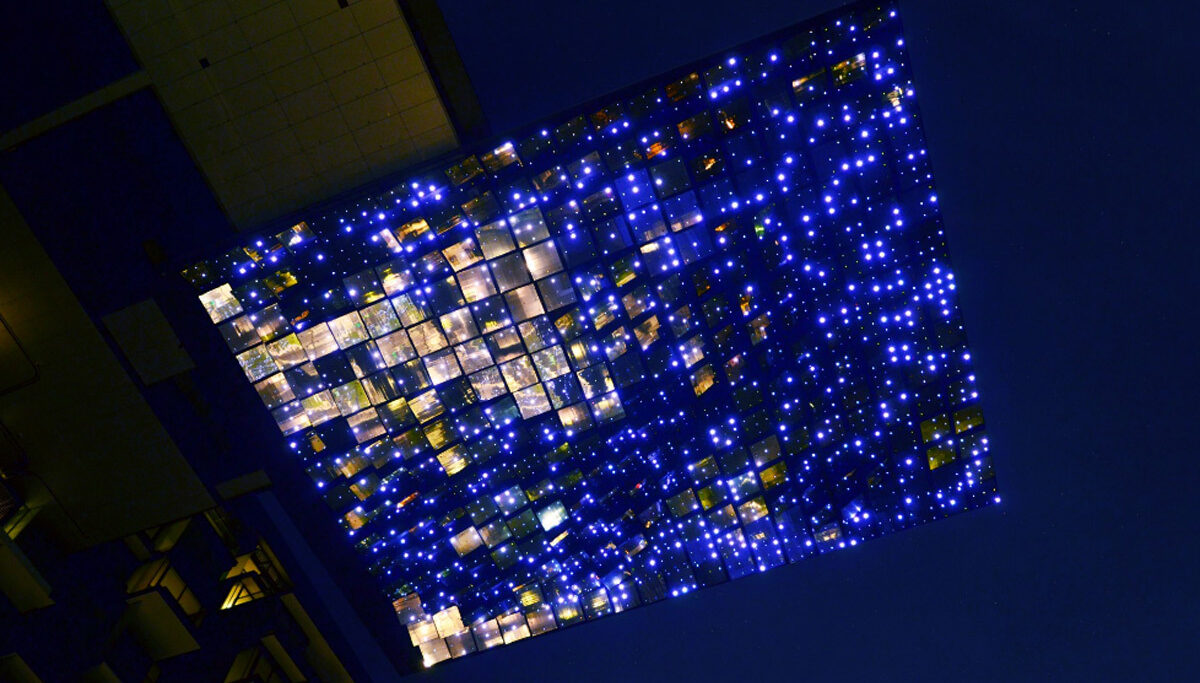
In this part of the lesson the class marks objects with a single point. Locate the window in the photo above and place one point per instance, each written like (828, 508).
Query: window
(220, 303)
(366, 425)
(291, 418)
(442, 366)
(524, 303)
(528, 226)
(317, 341)
(518, 373)
(462, 254)
(510, 272)
(473, 355)
(476, 283)
(466, 541)
(320, 408)
(411, 308)
(257, 363)
(488, 384)
(348, 330)
(459, 326)
(552, 515)
(426, 406)
(542, 260)
(506, 344)
(670, 178)
(240, 333)
(274, 391)
(395, 348)
(556, 291)
(532, 401)
(551, 363)
(287, 352)
(502, 156)
(850, 69)
(350, 397)
(380, 318)
(427, 338)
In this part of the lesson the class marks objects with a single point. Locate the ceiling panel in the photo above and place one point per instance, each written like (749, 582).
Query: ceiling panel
(285, 103)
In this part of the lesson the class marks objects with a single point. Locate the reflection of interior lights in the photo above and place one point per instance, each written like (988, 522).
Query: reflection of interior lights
(472, 398)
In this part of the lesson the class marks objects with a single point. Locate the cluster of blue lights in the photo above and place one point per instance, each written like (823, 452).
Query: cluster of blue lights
(700, 332)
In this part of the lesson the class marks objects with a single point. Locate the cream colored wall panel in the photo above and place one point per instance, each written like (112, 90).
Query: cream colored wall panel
(135, 15)
(204, 114)
(261, 122)
(286, 102)
(159, 37)
(294, 77)
(205, 17)
(308, 103)
(436, 140)
(313, 132)
(412, 91)
(274, 148)
(172, 65)
(213, 141)
(352, 173)
(186, 91)
(268, 23)
(400, 65)
(356, 84)
(246, 187)
(369, 109)
(381, 134)
(311, 10)
(336, 152)
(257, 209)
(248, 97)
(344, 56)
(387, 38)
(218, 46)
(424, 117)
(281, 50)
(289, 172)
(389, 159)
(239, 68)
(246, 8)
(329, 30)
(372, 13)
(233, 163)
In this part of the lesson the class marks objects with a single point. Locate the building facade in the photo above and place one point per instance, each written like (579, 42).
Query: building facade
(696, 330)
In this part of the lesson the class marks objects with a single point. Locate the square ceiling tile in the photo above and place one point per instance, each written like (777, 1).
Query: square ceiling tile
(281, 50)
(357, 83)
(412, 91)
(344, 56)
(401, 64)
(329, 30)
(268, 23)
(308, 103)
(283, 79)
(387, 38)
(294, 77)
(371, 13)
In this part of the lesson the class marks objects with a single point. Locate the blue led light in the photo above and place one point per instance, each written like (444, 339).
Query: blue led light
(574, 374)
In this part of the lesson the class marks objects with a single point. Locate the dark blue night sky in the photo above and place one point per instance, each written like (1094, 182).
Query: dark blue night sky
(1061, 143)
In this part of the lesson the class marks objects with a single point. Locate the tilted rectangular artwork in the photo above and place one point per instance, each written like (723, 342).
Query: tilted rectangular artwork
(700, 330)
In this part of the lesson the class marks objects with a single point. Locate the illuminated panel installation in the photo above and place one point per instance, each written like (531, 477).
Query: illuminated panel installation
(698, 331)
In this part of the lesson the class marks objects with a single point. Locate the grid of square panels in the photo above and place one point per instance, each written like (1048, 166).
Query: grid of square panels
(701, 331)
